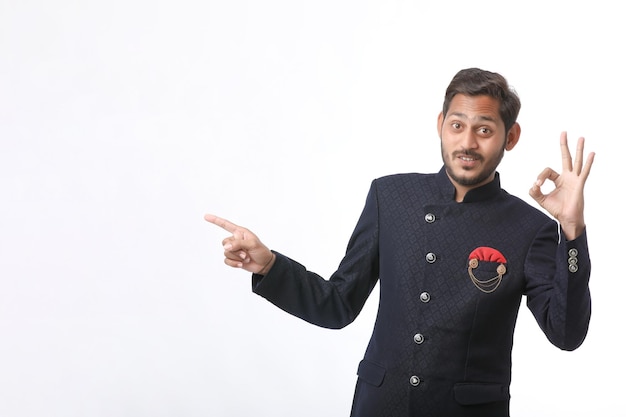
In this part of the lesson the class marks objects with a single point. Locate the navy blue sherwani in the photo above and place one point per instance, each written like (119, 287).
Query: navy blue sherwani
(452, 276)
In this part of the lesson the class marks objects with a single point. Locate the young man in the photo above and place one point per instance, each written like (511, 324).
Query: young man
(454, 253)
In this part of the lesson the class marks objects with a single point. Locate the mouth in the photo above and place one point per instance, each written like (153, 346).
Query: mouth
(468, 160)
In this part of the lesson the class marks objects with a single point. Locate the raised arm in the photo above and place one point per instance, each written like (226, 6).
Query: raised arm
(566, 202)
(243, 249)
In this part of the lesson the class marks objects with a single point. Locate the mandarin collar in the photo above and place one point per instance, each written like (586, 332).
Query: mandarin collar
(482, 193)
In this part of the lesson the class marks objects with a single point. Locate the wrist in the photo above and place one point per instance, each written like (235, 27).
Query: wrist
(266, 268)
(572, 231)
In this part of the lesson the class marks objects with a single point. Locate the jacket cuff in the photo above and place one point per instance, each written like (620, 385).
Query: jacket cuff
(258, 281)
(576, 252)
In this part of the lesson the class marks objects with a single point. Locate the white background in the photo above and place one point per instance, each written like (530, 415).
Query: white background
(123, 122)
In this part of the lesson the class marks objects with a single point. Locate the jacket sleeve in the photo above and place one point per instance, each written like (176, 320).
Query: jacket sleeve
(336, 302)
(558, 272)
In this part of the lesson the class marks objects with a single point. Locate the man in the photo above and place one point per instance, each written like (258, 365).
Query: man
(454, 253)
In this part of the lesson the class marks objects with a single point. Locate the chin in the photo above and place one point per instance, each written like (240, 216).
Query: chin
(468, 180)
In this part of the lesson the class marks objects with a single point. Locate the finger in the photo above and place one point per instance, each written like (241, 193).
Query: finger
(223, 223)
(233, 263)
(232, 244)
(578, 161)
(587, 168)
(239, 243)
(233, 248)
(565, 154)
(238, 256)
(546, 174)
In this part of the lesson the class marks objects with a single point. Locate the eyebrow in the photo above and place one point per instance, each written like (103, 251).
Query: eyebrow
(480, 117)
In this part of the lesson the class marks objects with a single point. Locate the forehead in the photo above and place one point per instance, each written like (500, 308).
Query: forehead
(474, 108)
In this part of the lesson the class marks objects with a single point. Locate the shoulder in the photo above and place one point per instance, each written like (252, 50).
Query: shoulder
(515, 206)
(413, 188)
(411, 179)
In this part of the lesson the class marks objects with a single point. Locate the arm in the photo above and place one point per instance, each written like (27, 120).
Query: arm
(557, 272)
(332, 303)
(558, 265)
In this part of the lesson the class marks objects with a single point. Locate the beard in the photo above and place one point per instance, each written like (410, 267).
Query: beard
(478, 177)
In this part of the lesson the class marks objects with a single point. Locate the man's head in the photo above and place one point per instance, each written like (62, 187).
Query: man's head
(477, 124)
(476, 82)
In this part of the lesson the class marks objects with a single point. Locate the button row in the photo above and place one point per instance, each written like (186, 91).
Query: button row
(572, 261)
(418, 338)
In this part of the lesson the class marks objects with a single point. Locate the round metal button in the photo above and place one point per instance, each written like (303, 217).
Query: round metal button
(431, 257)
(573, 252)
(573, 268)
(414, 380)
(424, 297)
(418, 338)
(572, 261)
(430, 218)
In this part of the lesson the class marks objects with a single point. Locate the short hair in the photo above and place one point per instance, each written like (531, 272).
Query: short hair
(478, 82)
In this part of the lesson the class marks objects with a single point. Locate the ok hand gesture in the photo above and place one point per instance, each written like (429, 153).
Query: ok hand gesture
(566, 201)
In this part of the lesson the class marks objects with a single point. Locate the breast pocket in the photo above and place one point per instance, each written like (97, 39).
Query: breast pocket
(486, 268)
(468, 393)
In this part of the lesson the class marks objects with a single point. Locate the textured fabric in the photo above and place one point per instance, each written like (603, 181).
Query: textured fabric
(441, 345)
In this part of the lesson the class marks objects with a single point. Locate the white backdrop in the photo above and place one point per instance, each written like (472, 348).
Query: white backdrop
(123, 122)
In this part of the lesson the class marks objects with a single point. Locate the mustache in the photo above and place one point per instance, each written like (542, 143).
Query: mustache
(469, 153)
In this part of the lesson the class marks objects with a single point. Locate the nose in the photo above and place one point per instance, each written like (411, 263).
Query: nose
(468, 139)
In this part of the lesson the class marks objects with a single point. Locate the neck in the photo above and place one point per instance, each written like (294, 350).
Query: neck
(461, 189)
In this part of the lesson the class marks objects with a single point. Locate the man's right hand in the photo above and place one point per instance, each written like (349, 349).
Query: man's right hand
(243, 249)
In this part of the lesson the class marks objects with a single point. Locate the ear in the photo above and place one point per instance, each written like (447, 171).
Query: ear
(512, 136)
(440, 123)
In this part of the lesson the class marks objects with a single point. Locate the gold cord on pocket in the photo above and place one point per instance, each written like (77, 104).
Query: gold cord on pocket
(489, 285)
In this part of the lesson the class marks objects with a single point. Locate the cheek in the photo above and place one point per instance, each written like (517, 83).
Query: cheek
(446, 144)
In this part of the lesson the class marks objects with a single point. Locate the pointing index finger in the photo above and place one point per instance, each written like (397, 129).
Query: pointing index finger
(223, 223)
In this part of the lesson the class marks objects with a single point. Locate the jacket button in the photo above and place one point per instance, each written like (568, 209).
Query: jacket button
(573, 252)
(424, 297)
(414, 380)
(430, 218)
(418, 338)
(431, 257)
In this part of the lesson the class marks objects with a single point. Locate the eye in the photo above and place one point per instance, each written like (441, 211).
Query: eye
(484, 131)
(456, 125)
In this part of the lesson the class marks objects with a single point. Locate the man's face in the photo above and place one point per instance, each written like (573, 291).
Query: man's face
(473, 141)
